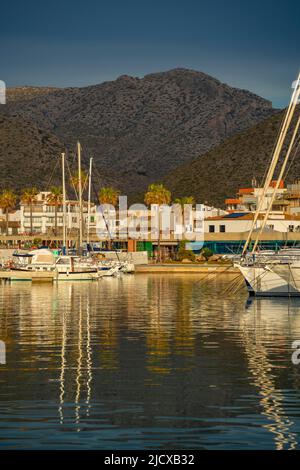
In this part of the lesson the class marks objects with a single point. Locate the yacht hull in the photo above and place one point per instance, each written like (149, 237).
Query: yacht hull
(77, 276)
(264, 281)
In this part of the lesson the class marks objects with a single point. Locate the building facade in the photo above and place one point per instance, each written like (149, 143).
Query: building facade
(43, 216)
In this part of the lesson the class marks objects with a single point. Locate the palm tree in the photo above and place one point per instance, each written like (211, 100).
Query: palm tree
(74, 180)
(184, 200)
(109, 195)
(7, 202)
(55, 199)
(29, 197)
(157, 194)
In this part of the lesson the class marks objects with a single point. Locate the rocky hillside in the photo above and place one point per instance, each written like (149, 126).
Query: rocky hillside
(27, 93)
(219, 173)
(136, 129)
(27, 153)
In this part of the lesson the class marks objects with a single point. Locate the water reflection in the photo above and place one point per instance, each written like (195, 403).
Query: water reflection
(147, 361)
(258, 330)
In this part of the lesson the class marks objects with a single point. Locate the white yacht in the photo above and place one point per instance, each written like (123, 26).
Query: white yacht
(66, 268)
(269, 274)
(71, 268)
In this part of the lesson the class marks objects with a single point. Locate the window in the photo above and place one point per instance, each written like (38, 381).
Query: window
(211, 228)
(35, 220)
(222, 228)
(291, 228)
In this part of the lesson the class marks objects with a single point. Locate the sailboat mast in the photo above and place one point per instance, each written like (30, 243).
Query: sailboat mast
(275, 158)
(279, 179)
(79, 193)
(64, 200)
(89, 201)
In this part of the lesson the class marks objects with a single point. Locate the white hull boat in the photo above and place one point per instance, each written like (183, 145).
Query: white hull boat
(267, 281)
(267, 273)
(77, 276)
(272, 275)
(42, 263)
(107, 271)
(73, 268)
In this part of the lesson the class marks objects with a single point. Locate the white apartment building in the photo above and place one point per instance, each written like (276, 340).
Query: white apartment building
(13, 222)
(139, 222)
(43, 216)
(238, 223)
(247, 199)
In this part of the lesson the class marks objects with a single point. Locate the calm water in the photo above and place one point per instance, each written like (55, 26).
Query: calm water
(147, 362)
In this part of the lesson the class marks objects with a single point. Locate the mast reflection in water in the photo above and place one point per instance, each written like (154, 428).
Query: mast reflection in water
(147, 362)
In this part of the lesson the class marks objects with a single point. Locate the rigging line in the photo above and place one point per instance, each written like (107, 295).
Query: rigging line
(274, 145)
(95, 169)
(66, 161)
(97, 199)
(279, 178)
(104, 218)
(51, 176)
(293, 158)
(292, 276)
(71, 179)
(85, 161)
(275, 159)
(71, 176)
(74, 154)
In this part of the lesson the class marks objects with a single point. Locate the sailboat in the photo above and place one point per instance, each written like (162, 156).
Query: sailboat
(279, 274)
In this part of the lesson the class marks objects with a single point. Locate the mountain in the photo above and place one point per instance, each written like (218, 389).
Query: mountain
(219, 173)
(137, 129)
(27, 153)
(27, 93)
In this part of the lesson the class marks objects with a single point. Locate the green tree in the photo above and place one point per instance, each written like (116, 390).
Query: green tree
(7, 202)
(183, 253)
(184, 200)
(157, 194)
(74, 180)
(29, 197)
(55, 198)
(207, 253)
(109, 195)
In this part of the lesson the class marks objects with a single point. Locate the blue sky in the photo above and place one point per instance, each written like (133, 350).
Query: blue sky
(248, 44)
